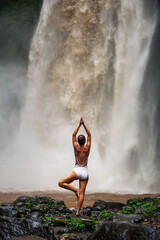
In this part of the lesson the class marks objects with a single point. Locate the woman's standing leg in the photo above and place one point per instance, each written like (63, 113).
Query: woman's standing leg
(81, 192)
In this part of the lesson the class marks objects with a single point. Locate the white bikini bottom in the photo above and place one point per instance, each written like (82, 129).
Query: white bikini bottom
(81, 172)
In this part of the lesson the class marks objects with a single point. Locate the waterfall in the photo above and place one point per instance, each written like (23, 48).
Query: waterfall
(87, 58)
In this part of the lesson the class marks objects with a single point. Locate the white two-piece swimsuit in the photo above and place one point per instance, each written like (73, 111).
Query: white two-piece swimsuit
(81, 170)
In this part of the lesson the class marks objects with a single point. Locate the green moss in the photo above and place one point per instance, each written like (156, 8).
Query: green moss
(29, 205)
(157, 199)
(140, 208)
(136, 202)
(22, 216)
(49, 220)
(105, 215)
(75, 224)
(147, 211)
(147, 204)
(126, 211)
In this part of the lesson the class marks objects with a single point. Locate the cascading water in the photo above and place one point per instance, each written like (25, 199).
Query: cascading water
(87, 58)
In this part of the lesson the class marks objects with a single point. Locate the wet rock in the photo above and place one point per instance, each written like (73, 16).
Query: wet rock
(61, 208)
(100, 205)
(125, 231)
(119, 217)
(8, 211)
(138, 220)
(19, 204)
(40, 208)
(72, 236)
(31, 237)
(40, 200)
(155, 217)
(158, 207)
(73, 210)
(114, 206)
(86, 211)
(141, 210)
(147, 199)
(128, 209)
(48, 215)
(21, 210)
(15, 227)
(21, 199)
(59, 223)
(5, 204)
(63, 230)
(95, 214)
(34, 216)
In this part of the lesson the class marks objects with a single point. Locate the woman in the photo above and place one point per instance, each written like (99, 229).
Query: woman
(80, 170)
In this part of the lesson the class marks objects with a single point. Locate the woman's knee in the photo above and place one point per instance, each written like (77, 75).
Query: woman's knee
(60, 183)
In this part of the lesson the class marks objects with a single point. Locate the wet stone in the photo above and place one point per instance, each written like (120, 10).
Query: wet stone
(6, 204)
(128, 208)
(21, 199)
(138, 220)
(40, 200)
(63, 230)
(95, 214)
(8, 211)
(34, 216)
(99, 205)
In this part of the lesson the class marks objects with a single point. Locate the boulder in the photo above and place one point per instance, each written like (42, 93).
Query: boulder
(21, 199)
(100, 205)
(14, 227)
(114, 206)
(128, 209)
(86, 211)
(40, 200)
(125, 231)
(34, 216)
(8, 211)
(131, 218)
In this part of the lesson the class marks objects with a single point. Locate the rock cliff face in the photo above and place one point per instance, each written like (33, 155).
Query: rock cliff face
(18, 19)
(50, 219)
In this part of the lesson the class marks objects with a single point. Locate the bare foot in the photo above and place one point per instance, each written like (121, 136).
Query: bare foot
(77, 214)
(77, 194)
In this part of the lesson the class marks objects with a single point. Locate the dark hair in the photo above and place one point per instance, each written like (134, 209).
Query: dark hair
(81, 140)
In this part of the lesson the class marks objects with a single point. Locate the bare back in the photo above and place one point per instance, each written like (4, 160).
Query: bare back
(81, 154)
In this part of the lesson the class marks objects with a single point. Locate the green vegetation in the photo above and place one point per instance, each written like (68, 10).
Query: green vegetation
(139, 207)
(147, 211)
(49, 220)
(126, 211)
(157, 199)
(29, 206)
(105, 215)
(79, 225)
(75, 224)
(147, 204)
(136, 202)
(22, 216)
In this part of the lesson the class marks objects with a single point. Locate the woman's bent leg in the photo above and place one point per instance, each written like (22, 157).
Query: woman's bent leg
(65, 183)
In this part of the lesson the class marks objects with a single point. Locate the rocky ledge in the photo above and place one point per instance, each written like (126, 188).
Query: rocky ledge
(138, 219)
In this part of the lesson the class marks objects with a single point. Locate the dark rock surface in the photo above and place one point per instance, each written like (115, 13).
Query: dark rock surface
(51, 219)
(11, 228)
(125, 231)
(100, 205)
